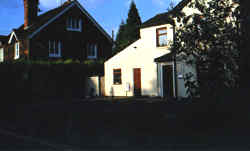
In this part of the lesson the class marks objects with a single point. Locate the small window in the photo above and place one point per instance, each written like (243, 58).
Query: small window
(92, 51)
(74, 24)
(55, 48)
(161, 37)
(117, 75)
(69, 21)
(17, 49)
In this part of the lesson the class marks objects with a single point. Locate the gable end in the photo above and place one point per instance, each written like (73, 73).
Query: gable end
(50, 21)
(13, 34)
(93, 20)
(65, 10)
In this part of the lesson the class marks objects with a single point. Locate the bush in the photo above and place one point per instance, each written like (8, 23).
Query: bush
(23, 81)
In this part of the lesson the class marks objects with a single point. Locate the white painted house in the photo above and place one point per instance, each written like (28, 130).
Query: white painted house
(146, 67)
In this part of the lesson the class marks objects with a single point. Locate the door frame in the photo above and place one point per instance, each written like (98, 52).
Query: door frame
(161, 78)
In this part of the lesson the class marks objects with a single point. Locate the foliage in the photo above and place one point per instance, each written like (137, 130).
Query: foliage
(211, 40)
(22, 80)
(133, 23)
(245, 45)
(128, 32)
(121, 38)
(49, 62)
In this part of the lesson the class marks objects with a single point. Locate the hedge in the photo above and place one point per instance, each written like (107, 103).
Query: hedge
(22, 81)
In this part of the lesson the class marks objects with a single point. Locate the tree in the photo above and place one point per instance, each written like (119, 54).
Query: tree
(245, 45)
(128, 32)
(121, 40)
(133, 23)
(209, 41)
(171, 6)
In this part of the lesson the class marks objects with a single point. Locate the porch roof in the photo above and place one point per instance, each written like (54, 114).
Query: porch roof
(165, 58)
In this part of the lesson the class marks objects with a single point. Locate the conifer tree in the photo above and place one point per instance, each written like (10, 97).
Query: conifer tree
(128, 32)
(120, 41)
(171, 6)
(133, 23)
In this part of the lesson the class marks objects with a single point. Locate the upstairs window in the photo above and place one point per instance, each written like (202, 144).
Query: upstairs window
(17, 49)
(74, 24)
(92, 51)
(117, 76)
(161, 37)
(55, 48)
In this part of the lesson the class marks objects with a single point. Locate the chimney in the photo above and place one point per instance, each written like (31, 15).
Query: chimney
(30, 12)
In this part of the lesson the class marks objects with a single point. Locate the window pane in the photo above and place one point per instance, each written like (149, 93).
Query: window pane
(73, 23)
(95, 51)
(80, 24)
(162, 40)
(68, 22)
(89, 49)
(117, 76)
(56, 47)
(49, 46)
(59, 48)
(77, 23)
(162, 31)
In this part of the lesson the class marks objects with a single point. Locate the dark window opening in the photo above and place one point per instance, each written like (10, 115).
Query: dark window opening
(117, 76)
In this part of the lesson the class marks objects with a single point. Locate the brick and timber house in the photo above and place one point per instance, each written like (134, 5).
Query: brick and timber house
(66, 32)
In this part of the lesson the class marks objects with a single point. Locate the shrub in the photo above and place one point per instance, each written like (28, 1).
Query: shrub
(26, 80)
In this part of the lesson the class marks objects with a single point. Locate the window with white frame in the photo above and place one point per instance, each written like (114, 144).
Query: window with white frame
(55, 47)
(92, 51)
(74, 24)
(17, 50)
(161, 37)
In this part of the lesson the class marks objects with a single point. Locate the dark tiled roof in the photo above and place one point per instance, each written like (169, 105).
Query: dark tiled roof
(159, 19)
(165, 58)
(169, 57)
(165, 18)
(41, 19)
(3, 39)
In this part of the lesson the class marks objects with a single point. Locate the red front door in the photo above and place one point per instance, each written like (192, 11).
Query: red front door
(137, 82)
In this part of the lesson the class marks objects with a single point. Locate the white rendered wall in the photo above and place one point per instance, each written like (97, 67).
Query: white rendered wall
(140, 54)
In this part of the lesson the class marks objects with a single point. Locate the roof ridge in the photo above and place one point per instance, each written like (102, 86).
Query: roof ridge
(157, 19)
(61, 6)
